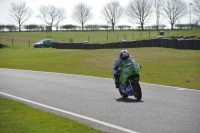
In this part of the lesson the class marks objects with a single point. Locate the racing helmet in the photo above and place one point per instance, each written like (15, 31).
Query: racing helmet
(124, 54)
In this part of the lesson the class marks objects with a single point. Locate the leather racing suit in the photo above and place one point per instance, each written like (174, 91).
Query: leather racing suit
(116, 65)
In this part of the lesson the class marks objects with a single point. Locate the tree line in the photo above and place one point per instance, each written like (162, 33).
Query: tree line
(94, 27)
(137, 11)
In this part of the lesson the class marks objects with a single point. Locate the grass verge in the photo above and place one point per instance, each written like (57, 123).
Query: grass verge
(100, 37)
(16, 117)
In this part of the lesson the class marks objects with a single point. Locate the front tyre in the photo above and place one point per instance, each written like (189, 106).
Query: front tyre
(137, 90)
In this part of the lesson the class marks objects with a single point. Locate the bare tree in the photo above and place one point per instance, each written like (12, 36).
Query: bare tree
(158, 10)
(174, 10)
(139, 11)
(41, 27)
(50, 15)
(82, 14)
(61, 16)
(19, 12)
(112, 12)
(196, 8)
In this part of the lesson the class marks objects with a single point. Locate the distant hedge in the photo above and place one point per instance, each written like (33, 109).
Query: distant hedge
(166, 43)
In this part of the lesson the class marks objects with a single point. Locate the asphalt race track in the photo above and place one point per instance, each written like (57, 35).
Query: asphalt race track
(95, 102)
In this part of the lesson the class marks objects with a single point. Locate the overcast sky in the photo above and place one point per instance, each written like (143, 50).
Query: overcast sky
(69, 5)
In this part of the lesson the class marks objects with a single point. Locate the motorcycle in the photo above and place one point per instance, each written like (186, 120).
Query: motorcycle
(129, 80)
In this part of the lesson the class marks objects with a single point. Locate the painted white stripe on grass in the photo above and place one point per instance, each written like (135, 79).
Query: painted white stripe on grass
(71, 113)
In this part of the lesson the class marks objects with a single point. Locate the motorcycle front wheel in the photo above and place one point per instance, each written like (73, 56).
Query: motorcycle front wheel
(137, 88)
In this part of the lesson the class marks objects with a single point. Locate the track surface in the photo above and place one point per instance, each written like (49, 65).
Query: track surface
(96, 102)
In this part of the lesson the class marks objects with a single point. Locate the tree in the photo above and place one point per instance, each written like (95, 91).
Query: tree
(174, 10)
(50, 15)
(70, 26)
(92, 27)
(41, 27)
(31, 27)
(163, 26)
(2, 27)
(112, 12)
(196, 8)
(20, 13)
(11, 27)
(158, 9)
(121, 27)
(106, 27)
(139, 11)
(82, 13)
(61, 17)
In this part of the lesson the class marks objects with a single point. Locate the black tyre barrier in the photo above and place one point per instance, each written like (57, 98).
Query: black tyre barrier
(166, 43)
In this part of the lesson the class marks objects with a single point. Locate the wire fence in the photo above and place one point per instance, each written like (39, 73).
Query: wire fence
(13, 41)
(108, 36)
(89, 37)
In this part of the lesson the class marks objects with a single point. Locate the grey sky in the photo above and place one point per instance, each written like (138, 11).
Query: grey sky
(69, 5)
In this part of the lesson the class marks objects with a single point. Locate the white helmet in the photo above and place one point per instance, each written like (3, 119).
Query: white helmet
(124, 54)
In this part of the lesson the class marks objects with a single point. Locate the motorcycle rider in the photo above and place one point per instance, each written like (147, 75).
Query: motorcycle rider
(123, 57)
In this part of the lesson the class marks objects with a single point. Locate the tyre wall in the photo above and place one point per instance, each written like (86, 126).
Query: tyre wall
(165, 43)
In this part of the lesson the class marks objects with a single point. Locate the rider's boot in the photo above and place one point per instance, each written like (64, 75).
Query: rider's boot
(116, 80)
(117, 84)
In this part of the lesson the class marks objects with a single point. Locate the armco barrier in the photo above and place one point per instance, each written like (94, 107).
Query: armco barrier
(166, 43)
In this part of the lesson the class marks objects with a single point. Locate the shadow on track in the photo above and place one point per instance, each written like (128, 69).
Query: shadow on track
(128, 100)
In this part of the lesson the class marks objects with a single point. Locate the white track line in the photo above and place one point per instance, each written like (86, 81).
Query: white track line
(177, 88)
(71, 113)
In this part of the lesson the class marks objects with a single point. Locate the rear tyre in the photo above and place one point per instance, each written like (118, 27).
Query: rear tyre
(137, 88)
(122, 94)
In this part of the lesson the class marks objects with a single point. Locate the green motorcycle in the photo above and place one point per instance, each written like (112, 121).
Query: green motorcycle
(129, 80)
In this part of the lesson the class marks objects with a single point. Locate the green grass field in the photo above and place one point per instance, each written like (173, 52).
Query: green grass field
(91, 36)
(16, 117)
(159, 66)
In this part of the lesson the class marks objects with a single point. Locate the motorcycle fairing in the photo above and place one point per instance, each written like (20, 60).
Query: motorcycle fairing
(127, 89)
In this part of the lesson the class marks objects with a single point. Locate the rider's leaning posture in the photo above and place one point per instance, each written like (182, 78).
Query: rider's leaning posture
(123, 57)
